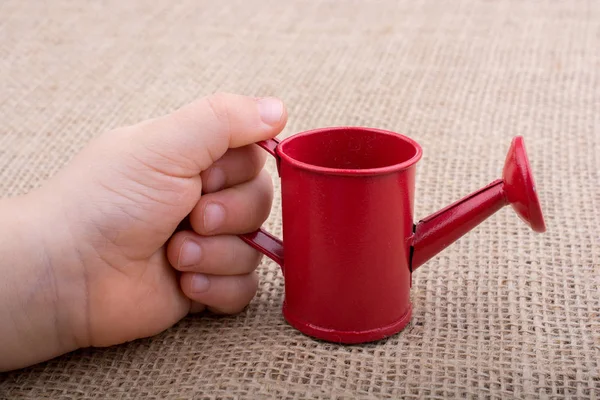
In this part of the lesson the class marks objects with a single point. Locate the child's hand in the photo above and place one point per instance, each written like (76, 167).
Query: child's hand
(100, 262)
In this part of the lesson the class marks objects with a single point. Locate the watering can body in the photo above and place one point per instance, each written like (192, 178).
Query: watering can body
(350, 241)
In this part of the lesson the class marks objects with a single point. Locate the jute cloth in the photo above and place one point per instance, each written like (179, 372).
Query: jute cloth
(503, 313)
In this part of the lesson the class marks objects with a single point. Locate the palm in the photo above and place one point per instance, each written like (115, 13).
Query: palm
(133, 291)
(140, 302)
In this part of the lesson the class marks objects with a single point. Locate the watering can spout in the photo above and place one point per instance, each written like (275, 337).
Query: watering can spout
(517, 188)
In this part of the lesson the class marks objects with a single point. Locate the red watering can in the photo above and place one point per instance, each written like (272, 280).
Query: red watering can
(350, 242)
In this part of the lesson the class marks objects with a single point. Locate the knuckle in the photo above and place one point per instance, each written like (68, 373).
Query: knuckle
(250, 286)
(218, 105)
(219, 111)
(257, 211)
(242, 257)
(243, 290)
(257, 160)
(231, 300)
(266, 196)
(233, 254)
(266, 177)
(252, 260)
(258, 256)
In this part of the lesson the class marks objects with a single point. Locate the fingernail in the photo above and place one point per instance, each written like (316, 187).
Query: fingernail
(189, 254)
(200, 283)
(216, 180)
(214, 215)
(270, 109)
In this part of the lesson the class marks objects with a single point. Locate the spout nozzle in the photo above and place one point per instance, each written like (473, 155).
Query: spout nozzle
(519, 186)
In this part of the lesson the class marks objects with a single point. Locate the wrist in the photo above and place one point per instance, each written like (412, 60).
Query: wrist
(43, 302)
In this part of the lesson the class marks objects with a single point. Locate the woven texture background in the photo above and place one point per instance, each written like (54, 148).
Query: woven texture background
(503, 313)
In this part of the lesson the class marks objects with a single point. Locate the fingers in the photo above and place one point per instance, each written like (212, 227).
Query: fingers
(236, 210)
(213, 255)
(221, 294)
(235, 167)
(197, 307)
(218, 272)
(218, 268)
(187, 141)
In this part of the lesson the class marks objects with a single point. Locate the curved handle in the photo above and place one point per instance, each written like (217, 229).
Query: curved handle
(266, 243)
(261, 240)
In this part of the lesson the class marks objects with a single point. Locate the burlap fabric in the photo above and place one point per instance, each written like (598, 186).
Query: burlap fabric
(504, 313)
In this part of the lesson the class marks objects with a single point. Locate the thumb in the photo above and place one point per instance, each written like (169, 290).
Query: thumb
(189, 140)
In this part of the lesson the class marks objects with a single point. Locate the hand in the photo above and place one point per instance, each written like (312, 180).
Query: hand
(108, 264)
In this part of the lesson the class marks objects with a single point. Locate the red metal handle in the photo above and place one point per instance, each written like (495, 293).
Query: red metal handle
(262, 240)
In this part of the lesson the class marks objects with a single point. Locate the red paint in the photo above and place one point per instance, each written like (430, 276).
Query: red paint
(268, 244)
(347, 202)
(436, 232)
(519, 186)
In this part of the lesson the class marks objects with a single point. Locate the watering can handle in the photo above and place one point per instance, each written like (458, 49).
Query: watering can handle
(260, 239)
